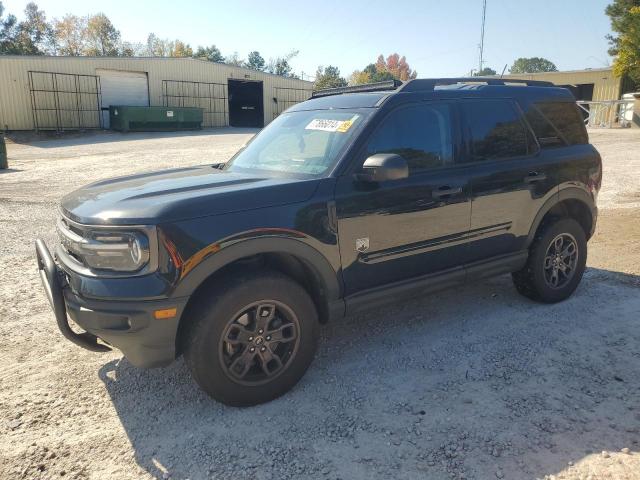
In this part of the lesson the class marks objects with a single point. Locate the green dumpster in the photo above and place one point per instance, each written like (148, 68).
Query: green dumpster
(147, 119)
(3, 153)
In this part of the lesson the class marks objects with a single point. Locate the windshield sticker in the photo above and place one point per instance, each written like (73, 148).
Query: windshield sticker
(327, 125)
(346, 125)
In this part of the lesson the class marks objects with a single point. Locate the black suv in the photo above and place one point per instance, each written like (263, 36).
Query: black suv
(356, 197)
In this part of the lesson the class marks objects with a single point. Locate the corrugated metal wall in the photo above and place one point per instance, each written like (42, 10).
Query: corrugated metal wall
(15, 97)
(605, 85)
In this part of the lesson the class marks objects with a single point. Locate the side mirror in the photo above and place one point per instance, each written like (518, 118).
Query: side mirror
(382, 167)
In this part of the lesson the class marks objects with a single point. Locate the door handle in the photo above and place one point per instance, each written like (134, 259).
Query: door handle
(535, 177)
(445, 192)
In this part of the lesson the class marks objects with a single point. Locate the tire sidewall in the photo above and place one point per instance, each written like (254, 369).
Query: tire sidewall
(545, 292)
(203, 352)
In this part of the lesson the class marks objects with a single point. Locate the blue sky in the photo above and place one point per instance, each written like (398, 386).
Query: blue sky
(439, 38)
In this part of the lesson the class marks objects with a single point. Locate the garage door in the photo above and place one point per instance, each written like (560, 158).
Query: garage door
(122, 88)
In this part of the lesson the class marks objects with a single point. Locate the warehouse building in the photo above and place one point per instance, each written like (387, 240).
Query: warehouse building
(74, 93)
(593, 84)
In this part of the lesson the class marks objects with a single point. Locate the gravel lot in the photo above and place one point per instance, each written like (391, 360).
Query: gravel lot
(474, 383)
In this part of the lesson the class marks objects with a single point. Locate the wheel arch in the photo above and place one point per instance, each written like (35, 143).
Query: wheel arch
(303, 263)
(570, 202)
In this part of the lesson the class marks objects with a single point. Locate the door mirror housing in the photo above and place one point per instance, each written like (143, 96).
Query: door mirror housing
(382, 167)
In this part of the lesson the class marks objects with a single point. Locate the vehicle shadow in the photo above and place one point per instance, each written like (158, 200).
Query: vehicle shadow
(469, 383)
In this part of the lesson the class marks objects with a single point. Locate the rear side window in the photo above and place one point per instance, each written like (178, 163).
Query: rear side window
(421, 134)
(495, 128)
(557, 122)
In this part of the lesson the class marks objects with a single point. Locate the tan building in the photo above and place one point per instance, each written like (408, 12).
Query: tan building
(69, 93)
(594, 84)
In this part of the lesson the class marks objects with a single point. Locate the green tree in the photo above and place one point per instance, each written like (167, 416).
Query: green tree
(71, 35)
(281, 66)
(103, 39)
(485, 72)
(36, 34)
(625, 46)
(532, 65)
(255, 61)
(211, 53)
(328, 77)
(622, 20)
(8, 33)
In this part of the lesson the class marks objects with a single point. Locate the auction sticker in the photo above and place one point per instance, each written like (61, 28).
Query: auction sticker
(324, 124)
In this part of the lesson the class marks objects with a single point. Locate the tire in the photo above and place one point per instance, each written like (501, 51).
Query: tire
(535, 281)
(225, 328)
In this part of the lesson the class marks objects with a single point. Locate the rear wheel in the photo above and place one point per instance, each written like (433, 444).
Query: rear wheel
(252, 341)
(557, 260)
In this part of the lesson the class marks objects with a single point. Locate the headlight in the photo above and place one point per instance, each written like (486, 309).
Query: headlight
(105, 248)
(124, 252)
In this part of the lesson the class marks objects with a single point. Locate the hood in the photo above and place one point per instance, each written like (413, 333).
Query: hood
(180, 194)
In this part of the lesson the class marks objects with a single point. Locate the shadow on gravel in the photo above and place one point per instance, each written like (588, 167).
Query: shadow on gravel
(476, 382)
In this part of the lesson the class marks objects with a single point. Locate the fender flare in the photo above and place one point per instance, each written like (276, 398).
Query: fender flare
(568, 193)
(252, 246)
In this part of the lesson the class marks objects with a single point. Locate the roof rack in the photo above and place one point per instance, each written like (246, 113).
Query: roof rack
(423, 84)
(426, 84)
(367, 87)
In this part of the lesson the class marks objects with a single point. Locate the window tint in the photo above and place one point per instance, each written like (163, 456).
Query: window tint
(421, 134)
(495, 128)
(544, 131)
(566, 117)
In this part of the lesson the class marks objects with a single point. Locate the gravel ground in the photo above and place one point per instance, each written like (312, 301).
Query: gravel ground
(473, 383)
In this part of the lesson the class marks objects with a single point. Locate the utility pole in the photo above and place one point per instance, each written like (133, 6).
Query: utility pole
(484, 15)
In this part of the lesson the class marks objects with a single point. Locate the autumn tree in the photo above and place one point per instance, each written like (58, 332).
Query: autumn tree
(394, 67)
(181, 49)
(532, 65)
(103, 39)
(211, 53)
(71, 35)
(234, 59)
(625, 45)
(255, 61)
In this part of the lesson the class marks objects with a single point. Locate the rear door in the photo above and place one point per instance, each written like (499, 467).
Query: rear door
(511, 177)
(399, 229)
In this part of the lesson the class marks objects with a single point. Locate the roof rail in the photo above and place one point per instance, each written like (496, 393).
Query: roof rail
(423, 84)
(367, 87)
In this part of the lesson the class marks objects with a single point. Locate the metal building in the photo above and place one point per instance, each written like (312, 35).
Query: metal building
(70, 93)
(594, 84)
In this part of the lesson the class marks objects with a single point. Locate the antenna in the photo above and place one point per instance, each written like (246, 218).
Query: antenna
(484, 15)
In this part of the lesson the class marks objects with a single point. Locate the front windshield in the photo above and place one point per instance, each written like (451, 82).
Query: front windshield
(305, 143)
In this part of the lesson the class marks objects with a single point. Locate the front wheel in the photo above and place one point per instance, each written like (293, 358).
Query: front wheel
(557, 260)
(253, 340)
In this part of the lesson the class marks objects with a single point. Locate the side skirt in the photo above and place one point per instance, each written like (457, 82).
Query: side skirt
(433, 282)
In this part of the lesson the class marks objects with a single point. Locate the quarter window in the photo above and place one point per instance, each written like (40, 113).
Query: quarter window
(566, 118)
(421, 134)
(495, 128)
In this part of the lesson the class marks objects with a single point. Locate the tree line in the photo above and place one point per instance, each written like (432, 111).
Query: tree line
(96, 36)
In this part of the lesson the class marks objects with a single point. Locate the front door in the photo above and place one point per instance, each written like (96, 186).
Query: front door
(399, 229)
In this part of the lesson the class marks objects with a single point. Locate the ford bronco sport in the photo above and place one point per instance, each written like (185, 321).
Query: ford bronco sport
(356, 197)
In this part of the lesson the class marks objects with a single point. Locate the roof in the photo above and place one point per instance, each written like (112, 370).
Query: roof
(424, 89)
(143, 59)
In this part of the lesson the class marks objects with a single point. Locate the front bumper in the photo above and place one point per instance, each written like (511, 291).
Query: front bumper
(129, 326)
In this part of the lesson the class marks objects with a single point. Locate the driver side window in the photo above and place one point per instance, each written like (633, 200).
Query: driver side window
(421, 134)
